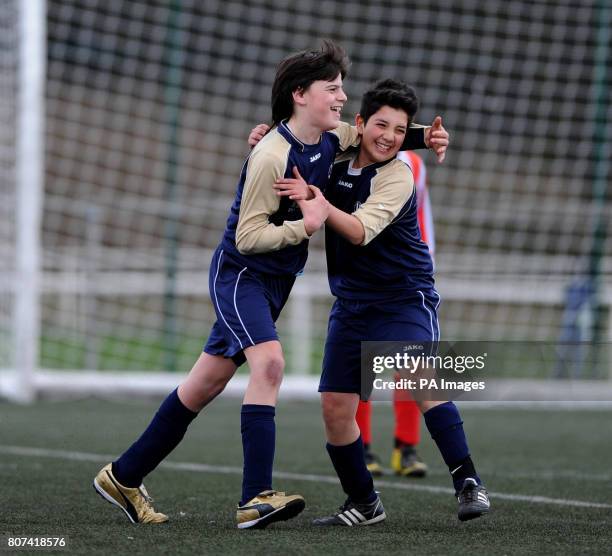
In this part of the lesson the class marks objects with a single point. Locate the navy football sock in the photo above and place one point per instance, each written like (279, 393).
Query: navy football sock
(258, 442)
(162, 435)
(446, 428)
(354, 476)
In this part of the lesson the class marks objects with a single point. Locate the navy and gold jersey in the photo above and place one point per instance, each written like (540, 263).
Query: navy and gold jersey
(393, 259)
(265, 232)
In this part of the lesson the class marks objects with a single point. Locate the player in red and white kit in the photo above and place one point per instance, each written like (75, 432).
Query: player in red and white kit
(404, 458)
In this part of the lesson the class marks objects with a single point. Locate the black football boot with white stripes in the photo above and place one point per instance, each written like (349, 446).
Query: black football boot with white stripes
(351, 514)
(473, 500)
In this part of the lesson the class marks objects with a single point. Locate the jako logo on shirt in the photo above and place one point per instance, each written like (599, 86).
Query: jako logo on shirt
(315, 157)
(346, 184)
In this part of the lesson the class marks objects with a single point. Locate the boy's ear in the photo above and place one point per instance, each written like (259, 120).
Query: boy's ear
(359, 123)
(298, 96)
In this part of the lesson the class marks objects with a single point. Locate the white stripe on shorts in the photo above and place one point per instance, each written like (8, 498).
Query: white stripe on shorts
(236, 307)
(433, 334)
(217, 300)
(436, 308)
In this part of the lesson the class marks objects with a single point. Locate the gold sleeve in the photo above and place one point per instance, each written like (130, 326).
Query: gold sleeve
(391, 189)
(254, 233)
(347, 134)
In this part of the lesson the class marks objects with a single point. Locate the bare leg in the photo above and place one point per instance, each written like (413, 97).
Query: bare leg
(206, 380)
(339, 410)
(267, 364)
(258, 428)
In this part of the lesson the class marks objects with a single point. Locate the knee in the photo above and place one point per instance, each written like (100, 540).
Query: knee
(335, 415)
(271, 371)
(328, 411)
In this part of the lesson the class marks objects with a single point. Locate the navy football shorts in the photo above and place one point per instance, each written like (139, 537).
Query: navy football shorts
(247, 305)
(351, 322)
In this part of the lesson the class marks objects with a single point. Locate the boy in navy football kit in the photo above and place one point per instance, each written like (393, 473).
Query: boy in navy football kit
(405, 460)
(381, 273)
(263, 248)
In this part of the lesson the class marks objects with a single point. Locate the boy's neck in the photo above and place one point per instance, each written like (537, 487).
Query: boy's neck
(358, 161)
(307, 134)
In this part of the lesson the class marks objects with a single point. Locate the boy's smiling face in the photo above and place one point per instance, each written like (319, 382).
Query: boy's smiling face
(324, 101)
(382, 135)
